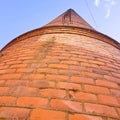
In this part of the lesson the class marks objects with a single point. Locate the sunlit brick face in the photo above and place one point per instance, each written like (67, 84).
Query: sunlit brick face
(59, 76)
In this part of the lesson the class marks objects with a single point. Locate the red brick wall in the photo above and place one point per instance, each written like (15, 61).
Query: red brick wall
(58, 78)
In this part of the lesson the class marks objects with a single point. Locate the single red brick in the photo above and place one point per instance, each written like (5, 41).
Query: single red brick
(108, 68)
(92, 75)
(111, 78)
(100, 71)
(68, 72)
(77, 52)
(47, 70)
(36, 64)
(78, 79)
(101, 59)
(23, 91)
(108, 100)
(111, 119)
(42, 83)
(86, 64)
(88, 57)
(13, 62)
(4, 90)
(96, 89)
(25, 58)
(71, 86)
(66, 105)
(16, 83)
(7, 71)
(115, 92)
(7, 101)
(106, 83)
(61, 57)
(40, 114)
(76, 67)
(59, 66)
(2, 67)
(79, 59)
(116, 74)
(14, 113)
(101, 110)
(70, 62)
(2, 82)
(52, 93)
(26, 70)
(18, 66)
(96, 62)
(83, 117)
(113, 66)
(49, 61)
(2, 64)
(10, 76)
(82, 96)
(57, 77)
(32, 102)
(36, 76)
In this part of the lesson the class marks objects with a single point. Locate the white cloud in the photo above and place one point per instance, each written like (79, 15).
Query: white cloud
(111, 2)
(97, 2)
(108, 4)
(108, 12)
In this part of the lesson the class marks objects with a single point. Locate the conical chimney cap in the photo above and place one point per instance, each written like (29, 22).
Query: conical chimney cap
(70, 18)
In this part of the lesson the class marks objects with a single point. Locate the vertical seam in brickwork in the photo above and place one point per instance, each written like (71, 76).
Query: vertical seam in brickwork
(49, 101)
(30, 114)
(67, 115)
(44, 49)
(117, 111)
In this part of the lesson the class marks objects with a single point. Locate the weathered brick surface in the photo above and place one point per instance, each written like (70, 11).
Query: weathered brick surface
(40, 114)
(2, 82)
(83, 117)
(10, 76)
(23, 91)
(101, 110)
(106, 83)
(10, 113)
(4, 90)
(13, 83)
(52, 93)
(82, 96)
(7, 101)
(110, 100)
(115, 92)
(66, 105)
(32, 102)
(60, 77)
(57, 77)
(96, 89)
(78, 79)
(70, 86)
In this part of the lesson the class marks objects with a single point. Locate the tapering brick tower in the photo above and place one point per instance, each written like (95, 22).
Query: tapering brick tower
(65, 70)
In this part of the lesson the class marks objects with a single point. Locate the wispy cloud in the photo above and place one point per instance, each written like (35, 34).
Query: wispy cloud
(108, 4)
(97, 2)
(108, 12)
(113, 2)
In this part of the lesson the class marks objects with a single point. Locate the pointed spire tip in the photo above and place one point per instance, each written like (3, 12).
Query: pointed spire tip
(70, 18)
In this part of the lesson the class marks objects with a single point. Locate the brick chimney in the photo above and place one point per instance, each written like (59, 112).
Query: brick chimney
(65, 70)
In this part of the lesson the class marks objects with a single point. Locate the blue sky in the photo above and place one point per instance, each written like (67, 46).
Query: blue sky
(20, 16)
